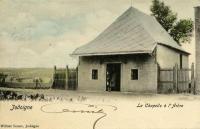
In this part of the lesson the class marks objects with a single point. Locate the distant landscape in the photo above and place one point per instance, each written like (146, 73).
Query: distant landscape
(25, 77)
(28, 72)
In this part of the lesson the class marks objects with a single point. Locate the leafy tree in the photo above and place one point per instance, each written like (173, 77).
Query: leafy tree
(180, 30)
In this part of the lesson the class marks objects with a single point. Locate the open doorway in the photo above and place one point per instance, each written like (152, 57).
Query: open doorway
(113, 77)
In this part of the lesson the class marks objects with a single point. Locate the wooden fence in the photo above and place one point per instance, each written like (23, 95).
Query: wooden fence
(59, 78)
(176, 80)
(65, 78)
(72, 79)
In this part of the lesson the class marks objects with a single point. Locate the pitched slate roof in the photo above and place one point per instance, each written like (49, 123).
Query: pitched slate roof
(132, 32)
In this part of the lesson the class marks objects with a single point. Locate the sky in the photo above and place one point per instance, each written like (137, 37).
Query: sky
(43, 33)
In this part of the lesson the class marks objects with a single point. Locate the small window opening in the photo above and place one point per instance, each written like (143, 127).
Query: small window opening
(134, 74)
(94, 74)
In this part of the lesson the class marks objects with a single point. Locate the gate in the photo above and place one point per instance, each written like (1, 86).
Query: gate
(72, 79)
(59, 78)
(65, 78)
(176, 80)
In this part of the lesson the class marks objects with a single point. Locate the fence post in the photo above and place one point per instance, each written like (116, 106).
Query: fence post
(177, 75)
(76, 78)
(175, 78)
(158, 79)
(193, 79)
(67, 77)
(54, 79)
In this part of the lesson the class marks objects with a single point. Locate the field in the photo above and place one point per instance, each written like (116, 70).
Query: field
(25, 77)
(28, 72)
(107, 110)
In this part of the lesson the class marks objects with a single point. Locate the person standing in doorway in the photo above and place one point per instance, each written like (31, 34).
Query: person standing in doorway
(113, 81)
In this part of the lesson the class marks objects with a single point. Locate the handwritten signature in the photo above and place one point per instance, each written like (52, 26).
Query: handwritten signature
(99, 111)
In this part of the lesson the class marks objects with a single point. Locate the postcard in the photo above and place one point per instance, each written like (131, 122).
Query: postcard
(100, 64)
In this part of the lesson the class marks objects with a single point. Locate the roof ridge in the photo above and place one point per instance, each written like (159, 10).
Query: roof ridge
(143, 25)
(162, 29)
(130, 32)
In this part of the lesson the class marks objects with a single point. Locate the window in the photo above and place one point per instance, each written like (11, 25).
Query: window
(134, 74)
(94, 74)
(181, 61)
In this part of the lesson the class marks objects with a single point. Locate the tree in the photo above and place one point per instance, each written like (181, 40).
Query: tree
(180, 30)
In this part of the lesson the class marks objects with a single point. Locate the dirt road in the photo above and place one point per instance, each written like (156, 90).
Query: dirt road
(89, 110)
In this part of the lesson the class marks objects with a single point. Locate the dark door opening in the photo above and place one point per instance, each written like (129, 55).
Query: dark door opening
(113, 77)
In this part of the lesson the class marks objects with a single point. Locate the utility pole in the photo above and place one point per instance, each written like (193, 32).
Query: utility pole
(197, 48)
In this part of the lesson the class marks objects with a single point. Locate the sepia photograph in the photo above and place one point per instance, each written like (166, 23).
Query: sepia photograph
(100, 64)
